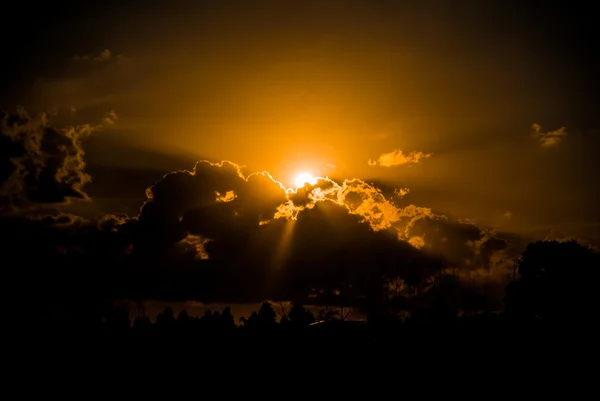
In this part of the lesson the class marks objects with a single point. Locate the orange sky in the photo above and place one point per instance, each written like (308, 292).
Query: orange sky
(298, 86)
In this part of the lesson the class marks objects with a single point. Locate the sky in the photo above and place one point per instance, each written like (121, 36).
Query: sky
(468, 116)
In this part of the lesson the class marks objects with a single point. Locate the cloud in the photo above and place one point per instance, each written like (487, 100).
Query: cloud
(57, 257)
(216, 232)
(559, 236)
(40, 164)
(398, 158)
(86, 89)
(265, 239)
(249, 208)
(197, 244)
(401, 192)
(417, 242)
(214, 200)
(104, 55)
(110, 118)
(464, 243)
(31, 236)
(548, 139)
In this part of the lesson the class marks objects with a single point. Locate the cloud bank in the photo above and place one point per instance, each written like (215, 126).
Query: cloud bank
(217, 232)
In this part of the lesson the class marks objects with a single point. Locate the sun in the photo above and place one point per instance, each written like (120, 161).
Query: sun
(303, 179)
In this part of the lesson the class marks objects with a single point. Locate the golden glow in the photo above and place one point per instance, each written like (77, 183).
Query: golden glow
(227, 197)
(303, 179)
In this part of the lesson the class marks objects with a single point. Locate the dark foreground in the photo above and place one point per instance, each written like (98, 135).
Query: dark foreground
(301, 325)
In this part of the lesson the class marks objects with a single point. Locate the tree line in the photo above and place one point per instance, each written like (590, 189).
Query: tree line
(554, 283)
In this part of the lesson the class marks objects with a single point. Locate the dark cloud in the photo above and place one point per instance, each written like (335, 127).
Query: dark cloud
(191, 201)
(217, 233)
(257, 232)
(104, 55)
(40, 163)
(60, 255)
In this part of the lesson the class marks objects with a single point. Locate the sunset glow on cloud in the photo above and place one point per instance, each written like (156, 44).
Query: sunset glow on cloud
(241, 151)
(398, 158)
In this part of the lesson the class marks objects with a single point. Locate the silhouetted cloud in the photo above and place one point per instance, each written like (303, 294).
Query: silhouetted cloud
(104, 55)
(40, 164)
(192, 203)
(214, 201)
(398, 158)
(246, 237)
(550, 138)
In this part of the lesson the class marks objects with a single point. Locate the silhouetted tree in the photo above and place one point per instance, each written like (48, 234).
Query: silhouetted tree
(263, 322)
(118, 323)
(250, 324)
(266, 315)
(206, 326)
(300, 318)
(142, 326)
(227, 322)
(557, 281)
(444, 299)
(165, 322)
(473, 301)
(184, 323)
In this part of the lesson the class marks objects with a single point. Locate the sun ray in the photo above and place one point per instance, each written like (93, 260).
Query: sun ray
(283, 247)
